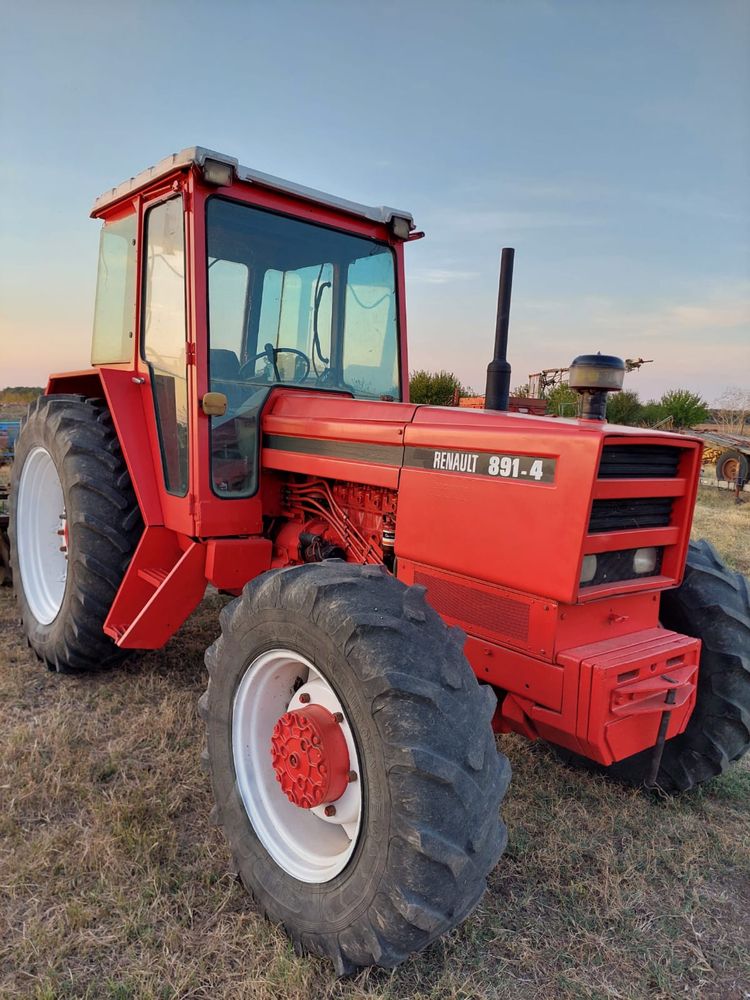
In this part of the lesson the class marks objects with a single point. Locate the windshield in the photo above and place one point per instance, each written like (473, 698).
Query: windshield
(298, 303)
(292, 303)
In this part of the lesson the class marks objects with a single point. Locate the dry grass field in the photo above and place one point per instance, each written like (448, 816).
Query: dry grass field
(113, 884)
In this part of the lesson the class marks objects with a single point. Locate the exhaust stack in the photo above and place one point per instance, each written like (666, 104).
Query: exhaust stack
(498, 370)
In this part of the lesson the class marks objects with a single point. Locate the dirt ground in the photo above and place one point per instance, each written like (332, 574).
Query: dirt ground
(114, 885)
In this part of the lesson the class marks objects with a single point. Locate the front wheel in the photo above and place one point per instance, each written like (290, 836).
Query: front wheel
(352, 761)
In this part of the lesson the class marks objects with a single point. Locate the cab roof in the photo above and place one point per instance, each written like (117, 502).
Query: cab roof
(198, 155)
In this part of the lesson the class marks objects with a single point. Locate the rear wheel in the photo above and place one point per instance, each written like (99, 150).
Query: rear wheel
(352, 761)
(74, 524)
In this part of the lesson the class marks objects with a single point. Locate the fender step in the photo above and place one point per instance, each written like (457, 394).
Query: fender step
(163, 584)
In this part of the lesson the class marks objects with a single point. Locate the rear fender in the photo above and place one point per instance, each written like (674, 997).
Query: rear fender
(125, 400)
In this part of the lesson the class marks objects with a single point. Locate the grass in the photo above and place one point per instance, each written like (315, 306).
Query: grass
(114, 885)
(726, 524)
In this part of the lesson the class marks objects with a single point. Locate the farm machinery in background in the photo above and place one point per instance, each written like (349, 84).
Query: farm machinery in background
(730, 456)
(407, 580)
(540, 383)
(8, 434)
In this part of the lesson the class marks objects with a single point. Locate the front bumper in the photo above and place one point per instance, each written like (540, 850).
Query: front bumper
(614, 693)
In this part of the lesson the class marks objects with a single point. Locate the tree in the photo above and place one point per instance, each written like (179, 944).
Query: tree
(562, 401)
(522, 391)
(624, 408)
(686, 408)
(437, 388)
(733, 409)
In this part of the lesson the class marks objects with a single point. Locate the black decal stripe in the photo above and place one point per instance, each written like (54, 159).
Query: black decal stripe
(475, 462)
(354, 451)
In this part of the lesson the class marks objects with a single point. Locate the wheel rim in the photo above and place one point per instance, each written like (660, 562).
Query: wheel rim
(308, 844)
(731, 469)
(42, 536)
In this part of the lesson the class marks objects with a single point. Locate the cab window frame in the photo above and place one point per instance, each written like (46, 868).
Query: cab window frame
(251, 324)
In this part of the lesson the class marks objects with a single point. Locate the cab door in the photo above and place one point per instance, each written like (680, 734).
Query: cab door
(164, 340)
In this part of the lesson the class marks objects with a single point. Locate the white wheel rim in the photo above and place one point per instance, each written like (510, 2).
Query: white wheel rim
(41, 536)
(307, 844)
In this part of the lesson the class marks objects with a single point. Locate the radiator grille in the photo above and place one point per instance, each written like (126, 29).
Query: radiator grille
(493, 613)
(623, 514)
(639, 461)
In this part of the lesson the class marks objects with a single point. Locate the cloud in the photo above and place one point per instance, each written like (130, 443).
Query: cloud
(479, 221)
(701, 317)
(725, 307)
(439, 276)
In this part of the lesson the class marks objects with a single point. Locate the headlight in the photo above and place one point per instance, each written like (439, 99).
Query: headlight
(644, 560)
(588, 568)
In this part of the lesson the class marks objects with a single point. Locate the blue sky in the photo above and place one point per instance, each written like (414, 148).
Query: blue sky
(609, 142)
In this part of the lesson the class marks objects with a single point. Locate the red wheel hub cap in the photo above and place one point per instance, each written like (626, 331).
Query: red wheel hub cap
(310, 757)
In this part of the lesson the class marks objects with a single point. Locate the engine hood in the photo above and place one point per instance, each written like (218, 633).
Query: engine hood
(501, 497)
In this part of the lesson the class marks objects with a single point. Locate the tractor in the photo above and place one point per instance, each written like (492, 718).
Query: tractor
(406, 581)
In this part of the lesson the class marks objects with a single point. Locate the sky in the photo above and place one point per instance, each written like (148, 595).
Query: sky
(607, 141)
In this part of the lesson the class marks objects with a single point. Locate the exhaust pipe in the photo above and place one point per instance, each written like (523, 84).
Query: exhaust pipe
(498, 370)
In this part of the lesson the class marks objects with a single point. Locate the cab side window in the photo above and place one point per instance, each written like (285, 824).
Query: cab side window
(114, 311)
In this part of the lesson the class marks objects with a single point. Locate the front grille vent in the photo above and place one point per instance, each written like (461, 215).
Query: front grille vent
(494, 613)
(626, 513)
(639, 461)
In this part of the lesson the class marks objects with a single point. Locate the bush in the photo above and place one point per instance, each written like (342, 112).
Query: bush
(562, 401)
(651, 413)
(19, 394)
(437, 388)
(686, 408)
(624, 407)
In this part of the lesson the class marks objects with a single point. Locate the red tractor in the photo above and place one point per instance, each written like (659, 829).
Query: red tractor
(409, 580)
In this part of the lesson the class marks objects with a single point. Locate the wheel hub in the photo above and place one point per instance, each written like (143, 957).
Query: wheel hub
(310, 757)
(731, 469)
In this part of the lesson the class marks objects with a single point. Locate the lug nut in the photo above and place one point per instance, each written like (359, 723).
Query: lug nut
(330, 810)
(351, 776)
(338, 716)
(304, 698)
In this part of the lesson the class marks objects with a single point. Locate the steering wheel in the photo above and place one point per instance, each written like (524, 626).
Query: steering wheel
(270, 353)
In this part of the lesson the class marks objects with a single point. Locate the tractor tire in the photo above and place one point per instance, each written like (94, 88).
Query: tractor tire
(74, 525)
(712, 604)
(420, 824)
(733, 466)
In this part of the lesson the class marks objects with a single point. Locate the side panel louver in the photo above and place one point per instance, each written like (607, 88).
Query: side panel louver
(477, 610)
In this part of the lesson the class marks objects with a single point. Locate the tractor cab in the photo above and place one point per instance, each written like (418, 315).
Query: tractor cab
(217, 284)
